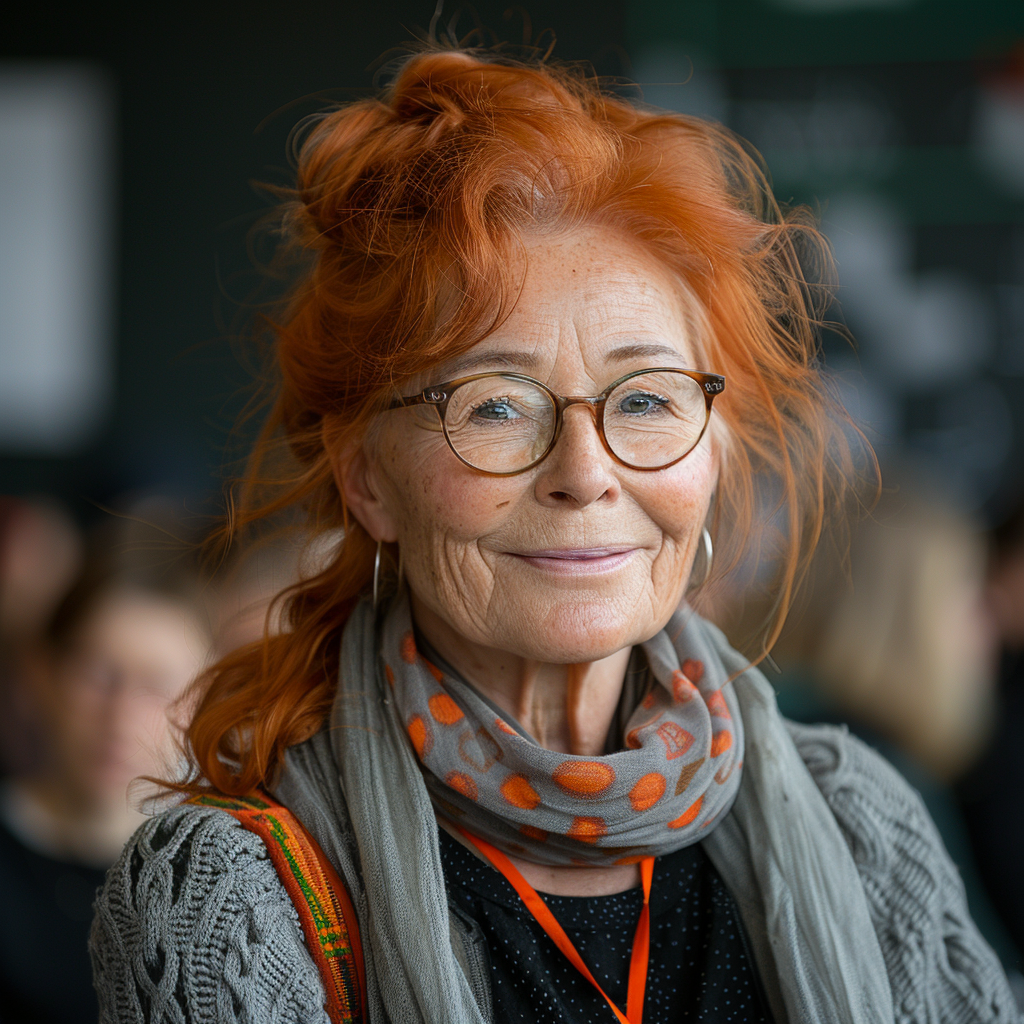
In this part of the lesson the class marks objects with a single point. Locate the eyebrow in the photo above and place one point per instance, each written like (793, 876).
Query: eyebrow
(510, 360)
(639, 350)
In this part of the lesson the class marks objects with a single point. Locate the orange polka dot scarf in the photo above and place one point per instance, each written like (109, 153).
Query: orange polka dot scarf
(676, 774)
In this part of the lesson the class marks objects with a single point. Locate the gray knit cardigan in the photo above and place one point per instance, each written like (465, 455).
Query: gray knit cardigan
(193, 925)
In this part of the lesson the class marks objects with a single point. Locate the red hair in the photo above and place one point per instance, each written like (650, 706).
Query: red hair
(408, 208)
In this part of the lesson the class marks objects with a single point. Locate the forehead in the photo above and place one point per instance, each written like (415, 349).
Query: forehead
(595, 298)
(139, 626)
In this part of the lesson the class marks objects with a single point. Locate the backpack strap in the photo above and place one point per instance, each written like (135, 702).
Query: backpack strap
(320, 897)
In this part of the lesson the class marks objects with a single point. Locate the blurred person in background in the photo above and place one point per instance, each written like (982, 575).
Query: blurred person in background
(993, 794)
(903, 646)
(40, 555)
(119, 650)
(899, 647)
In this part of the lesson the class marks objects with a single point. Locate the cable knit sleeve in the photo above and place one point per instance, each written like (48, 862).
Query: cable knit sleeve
(940, 968)
(193, 925)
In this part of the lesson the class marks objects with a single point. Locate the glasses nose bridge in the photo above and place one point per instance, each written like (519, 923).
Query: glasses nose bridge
(593, 403)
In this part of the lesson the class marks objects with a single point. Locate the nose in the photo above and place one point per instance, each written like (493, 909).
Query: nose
(578, 471)
(117, 711)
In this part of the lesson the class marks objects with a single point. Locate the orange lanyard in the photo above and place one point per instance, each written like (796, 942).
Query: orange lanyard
(536, 906)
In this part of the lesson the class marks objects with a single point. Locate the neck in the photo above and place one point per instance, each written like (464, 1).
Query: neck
(563, 707)
(46, 818)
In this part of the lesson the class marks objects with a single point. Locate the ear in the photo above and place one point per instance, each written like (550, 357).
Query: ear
(357, 478)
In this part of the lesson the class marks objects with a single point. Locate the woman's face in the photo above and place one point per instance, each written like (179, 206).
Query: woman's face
(132, 657)
(578, 557)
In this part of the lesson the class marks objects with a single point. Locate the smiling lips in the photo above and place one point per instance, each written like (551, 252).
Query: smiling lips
(578, 561)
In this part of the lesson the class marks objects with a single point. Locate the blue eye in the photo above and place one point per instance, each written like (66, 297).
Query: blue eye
(641, 403)
(497, 409)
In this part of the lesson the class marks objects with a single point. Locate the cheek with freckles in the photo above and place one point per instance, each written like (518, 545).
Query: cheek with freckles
(444, 512)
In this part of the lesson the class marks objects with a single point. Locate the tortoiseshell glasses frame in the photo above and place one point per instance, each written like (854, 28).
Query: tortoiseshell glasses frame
(440, 396)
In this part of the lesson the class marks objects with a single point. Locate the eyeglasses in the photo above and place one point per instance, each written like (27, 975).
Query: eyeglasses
(506, 423)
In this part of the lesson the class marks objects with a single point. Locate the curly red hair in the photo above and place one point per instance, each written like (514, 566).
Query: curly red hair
(408, 207)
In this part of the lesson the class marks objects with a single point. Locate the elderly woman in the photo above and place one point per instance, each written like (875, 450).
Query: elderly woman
(544, 348)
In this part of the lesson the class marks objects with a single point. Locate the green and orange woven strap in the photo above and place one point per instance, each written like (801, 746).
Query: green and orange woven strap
(325, 909)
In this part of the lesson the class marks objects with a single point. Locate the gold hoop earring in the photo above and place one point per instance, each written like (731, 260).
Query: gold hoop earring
(376, 573)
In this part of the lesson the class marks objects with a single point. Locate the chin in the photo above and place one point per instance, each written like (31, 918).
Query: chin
(573, 632)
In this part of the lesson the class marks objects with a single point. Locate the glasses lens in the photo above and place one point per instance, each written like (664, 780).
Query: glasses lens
(655, 418)
(499, 424)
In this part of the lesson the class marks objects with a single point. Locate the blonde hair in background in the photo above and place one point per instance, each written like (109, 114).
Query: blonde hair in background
(904, 647)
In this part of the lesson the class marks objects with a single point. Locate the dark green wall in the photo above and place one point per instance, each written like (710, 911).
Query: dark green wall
(886, 101)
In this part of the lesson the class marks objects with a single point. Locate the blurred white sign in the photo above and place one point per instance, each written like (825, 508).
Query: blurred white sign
(56, 255)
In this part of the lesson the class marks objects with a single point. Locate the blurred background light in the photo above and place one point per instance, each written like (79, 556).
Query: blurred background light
(56, 255)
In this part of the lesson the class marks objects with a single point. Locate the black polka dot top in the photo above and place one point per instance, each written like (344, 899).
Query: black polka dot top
(700, 966)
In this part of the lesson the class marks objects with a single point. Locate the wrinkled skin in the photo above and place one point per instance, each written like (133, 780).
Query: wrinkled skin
(547, 638)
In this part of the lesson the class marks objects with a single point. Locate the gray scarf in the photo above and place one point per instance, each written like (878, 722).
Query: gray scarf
(674, 770)
(779, 851)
